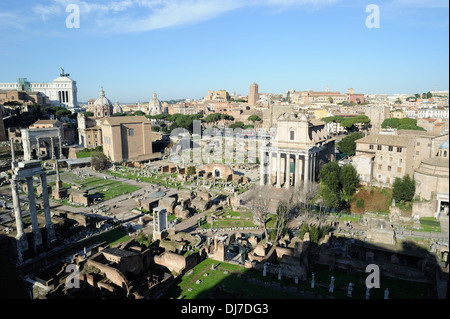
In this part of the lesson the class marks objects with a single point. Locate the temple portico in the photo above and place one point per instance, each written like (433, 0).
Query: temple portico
(294, 157)
(285, 168)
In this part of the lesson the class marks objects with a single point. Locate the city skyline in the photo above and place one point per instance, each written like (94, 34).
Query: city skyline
(182, 49)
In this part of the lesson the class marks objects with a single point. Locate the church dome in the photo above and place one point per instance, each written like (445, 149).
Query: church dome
(154, 106)
(117, 108)
(102, 106)
(102, 100)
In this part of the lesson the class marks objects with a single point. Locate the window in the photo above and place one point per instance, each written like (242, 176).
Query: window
(291, 135)
(379, 147)
(390, 159)
(388, 180)
(131, 131)
(417, 152)
(399, 169)
(418, 143)
(370, 147)
(379, 166)
(389, 168)
(399, 149)
(391, 148)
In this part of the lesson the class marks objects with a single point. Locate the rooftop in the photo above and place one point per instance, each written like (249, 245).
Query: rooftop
(383, 139)
(117, 120)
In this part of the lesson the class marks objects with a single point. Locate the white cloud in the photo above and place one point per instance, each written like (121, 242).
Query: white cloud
(131, 16)
(170, 14)
(422, 3)
(12, 19)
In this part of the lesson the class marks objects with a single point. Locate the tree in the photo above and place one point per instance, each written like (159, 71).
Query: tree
(236, 125)
(403, 188)
(338, 184)
(282, 218)
(429, 95)
(329, 175)
(348, 145)
(410, 127)
(62, 112)
(303, 230)
(260, 204)
(330, 196)
(349, 179)
(191, 170)
(254, 118)
(99, 161)
(390, 123)
(303, 197)
(314, 233)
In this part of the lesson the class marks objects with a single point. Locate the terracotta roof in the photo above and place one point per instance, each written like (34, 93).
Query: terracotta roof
(117, 120)
(45, 122)
(384, 139)
(416, 133)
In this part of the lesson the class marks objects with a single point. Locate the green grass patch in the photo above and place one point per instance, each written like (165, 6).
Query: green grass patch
(349, 218)
(219, 276)
(112, 237)
(430, 224)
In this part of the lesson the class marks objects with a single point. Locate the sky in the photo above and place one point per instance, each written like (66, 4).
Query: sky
(183, 48)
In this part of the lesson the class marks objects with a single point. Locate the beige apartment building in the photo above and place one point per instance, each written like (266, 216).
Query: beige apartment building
(380, 158)
(127, 138)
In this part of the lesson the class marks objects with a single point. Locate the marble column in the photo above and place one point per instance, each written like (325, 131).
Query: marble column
(278, 169)
(300, 170)
(37, 236)
(51, 237)
(13, 153)
(261, 169)
(287, 172)
(306, 170)
(21, 236)
(53, 148)
(269, 176)
(61, 156)
(296, 174)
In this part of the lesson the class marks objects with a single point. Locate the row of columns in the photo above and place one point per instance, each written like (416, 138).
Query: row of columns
(37, 236)
(63, 96)
(305, 166)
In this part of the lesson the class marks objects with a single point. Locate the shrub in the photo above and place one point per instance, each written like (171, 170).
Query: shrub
(314, 233)
(303, 230)
(360, 203)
